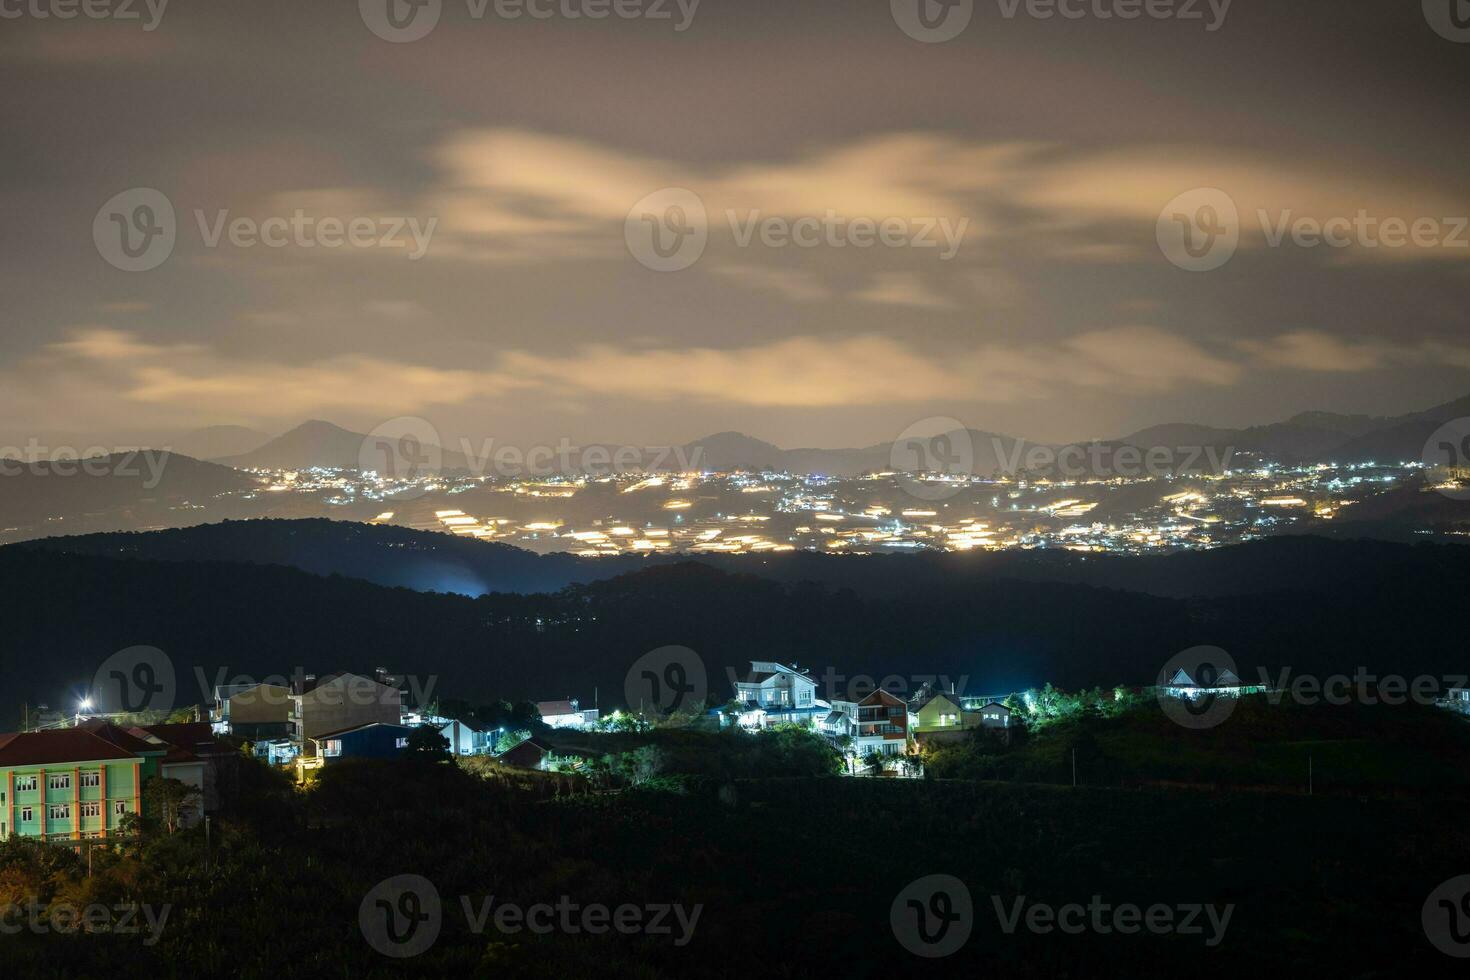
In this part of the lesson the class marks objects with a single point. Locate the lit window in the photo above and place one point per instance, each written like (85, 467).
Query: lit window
(401, 743)
(332, 748)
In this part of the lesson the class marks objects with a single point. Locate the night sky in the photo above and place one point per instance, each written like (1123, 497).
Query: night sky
(521, 147)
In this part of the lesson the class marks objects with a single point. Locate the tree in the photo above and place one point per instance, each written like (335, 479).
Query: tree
(169, 802)
(425, 742)
(509, 740)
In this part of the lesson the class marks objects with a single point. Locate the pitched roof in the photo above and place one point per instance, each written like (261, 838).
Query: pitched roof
(563, 707)
(61, 745)
(358, 728)
(124, 740)
(196, 737)
(527, 754)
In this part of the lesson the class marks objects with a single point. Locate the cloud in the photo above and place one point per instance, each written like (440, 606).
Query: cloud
(116, 370)
(903, 289)
(562, 197)
(1314, 350)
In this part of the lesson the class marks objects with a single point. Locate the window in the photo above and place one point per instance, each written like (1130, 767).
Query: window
(91, 809)
(27, 814)
(91, 780)
(332, 747)
(25, 784)
(59, 811)
(62, 781)
(119, 808)
(803, 696)
(400, 743)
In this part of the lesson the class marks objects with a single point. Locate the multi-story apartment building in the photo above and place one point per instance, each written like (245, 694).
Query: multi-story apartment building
(877, 722)
(72, 783)
(253, 711)
(338, 702)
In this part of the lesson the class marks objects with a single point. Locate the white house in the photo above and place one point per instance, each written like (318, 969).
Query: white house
(565, 714)
(774, 693)
(467, 738)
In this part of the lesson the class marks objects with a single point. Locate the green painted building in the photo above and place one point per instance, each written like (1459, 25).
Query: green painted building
(73, 783)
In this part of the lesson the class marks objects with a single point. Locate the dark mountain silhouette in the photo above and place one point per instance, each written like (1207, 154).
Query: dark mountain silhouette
(155, 480)
(320, 444)
(427, 560)
(1317, 436)
(65, 614)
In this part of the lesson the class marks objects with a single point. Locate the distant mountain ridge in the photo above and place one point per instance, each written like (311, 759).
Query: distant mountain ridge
(1317, 436)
